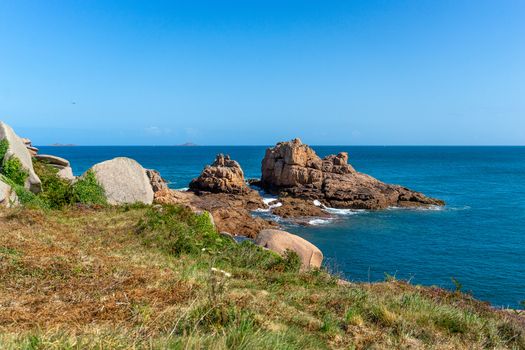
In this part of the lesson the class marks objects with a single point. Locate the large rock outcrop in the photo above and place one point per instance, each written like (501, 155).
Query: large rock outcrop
(8, 196)
(294, 168)
(281, 241)
(223, 176)
(18, 149)
(124, 180)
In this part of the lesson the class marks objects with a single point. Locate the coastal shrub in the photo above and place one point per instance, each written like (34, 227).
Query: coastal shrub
(56, 192)
(26, 197)
(4, 146)
(12, 169)
(177, 230)
(88, 191)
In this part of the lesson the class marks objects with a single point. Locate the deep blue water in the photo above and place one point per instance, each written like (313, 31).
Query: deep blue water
(478, 238)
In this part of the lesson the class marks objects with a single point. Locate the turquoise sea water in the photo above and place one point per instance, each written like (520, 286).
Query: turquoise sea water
(478, 238)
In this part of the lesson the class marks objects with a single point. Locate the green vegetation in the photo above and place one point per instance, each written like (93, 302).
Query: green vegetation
(162, 277)
(4, 146)
(58, 193)
(88, 191)
(11, 168)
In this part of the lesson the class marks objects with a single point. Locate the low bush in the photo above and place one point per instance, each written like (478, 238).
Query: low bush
(56, 192)
(177, 230)
(88, 191)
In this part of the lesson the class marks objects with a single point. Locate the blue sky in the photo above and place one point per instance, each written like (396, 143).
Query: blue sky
(256, 72)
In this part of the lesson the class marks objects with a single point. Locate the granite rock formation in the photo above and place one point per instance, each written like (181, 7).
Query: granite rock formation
(124, 181)
(223, 176)
(157, 182)
(281, 241)
(62, 165)
(293, 168)
(18, 149)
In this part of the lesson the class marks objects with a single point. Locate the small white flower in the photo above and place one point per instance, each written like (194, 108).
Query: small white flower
(226, 274)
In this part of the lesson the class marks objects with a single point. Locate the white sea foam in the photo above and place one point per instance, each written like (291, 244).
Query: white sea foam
(276, 205)
(182, 189)
(315, 222)
(337, 211)
(268, 200)
(317, 203)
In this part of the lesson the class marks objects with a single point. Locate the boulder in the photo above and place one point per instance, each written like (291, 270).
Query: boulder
(223, 176)
(157, 182)
(281, 241)
(64, 169)
(18, 149)
(294, 169)
(124, 180)
(66, 173)
(8, 196)
(53, 160)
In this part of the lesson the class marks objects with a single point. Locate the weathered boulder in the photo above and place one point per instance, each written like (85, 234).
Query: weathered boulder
(62, 165)
(18, 149)
(223, 176)
(52, 160)
(124, 181)
(32, 149)
(8, 196)
(294, 169)
(157, 182)
(66, 173)
(280, 241)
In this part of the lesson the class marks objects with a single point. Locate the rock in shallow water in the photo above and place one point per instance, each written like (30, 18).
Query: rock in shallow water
(294, 169)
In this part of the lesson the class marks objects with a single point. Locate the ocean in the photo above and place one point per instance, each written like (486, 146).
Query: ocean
(478, 238)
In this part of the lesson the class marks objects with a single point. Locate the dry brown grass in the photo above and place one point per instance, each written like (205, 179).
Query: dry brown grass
(90, 269)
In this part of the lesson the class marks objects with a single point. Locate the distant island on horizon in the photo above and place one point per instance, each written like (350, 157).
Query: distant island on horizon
(62, 145)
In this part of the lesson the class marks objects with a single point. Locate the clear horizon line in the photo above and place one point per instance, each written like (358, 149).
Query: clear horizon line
(270, 145)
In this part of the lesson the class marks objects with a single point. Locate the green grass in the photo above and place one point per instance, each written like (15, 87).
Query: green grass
(161, 277)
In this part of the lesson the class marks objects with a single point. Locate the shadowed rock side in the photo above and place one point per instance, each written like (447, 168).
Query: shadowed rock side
(294, 169)
(158, 183)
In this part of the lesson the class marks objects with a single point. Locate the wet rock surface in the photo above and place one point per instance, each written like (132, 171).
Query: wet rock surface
(298, 208)
(293, 169)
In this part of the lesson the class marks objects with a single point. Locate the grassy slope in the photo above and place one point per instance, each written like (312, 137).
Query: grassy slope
(141, 277)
